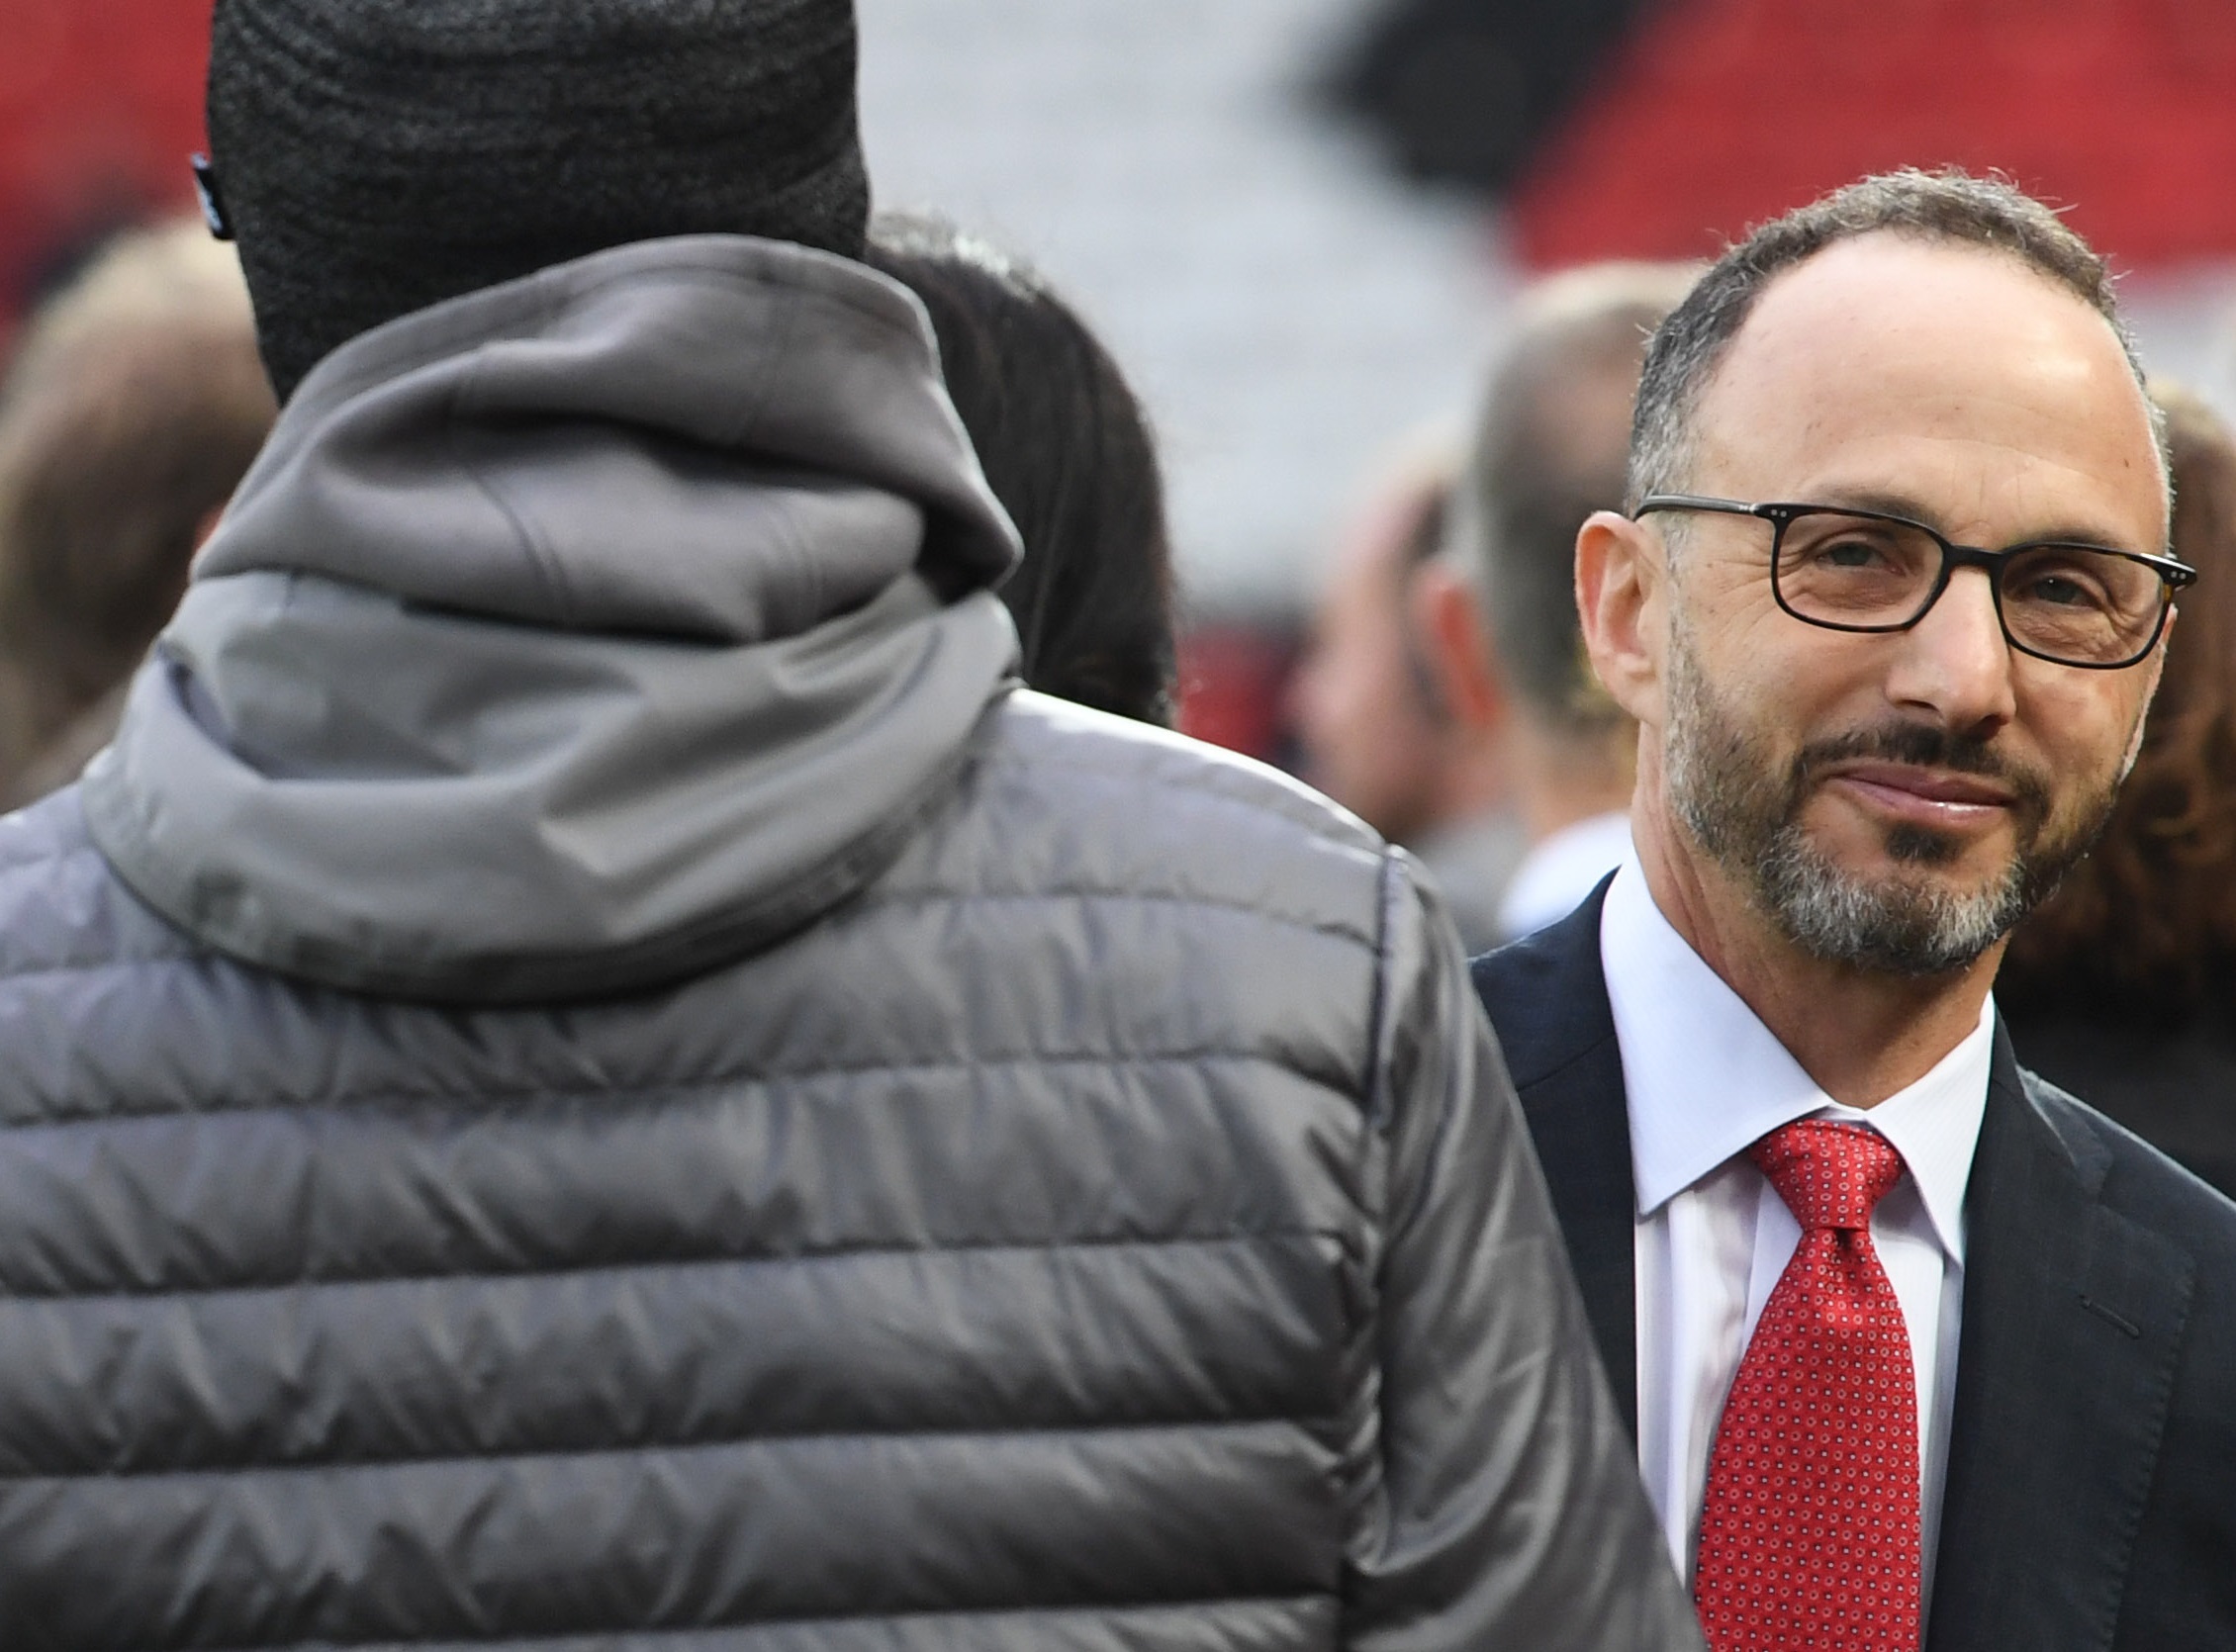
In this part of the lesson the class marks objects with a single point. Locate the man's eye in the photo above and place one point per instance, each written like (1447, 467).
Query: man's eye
(2073, 579)
(1850, 553)
(2060, 590)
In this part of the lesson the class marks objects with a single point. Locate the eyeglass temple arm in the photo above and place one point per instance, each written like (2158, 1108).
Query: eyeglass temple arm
(1696, 501)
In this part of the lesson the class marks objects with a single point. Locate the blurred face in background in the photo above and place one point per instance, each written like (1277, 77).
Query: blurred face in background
(1361, 700)
(1896, 802)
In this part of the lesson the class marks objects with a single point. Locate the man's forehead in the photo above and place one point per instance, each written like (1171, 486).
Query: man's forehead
(1891, 338)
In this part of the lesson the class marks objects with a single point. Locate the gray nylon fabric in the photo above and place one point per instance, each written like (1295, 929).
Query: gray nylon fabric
(619, 583)
(1108, 1224)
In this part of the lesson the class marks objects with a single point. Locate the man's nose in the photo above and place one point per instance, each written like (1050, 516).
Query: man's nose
(1956, 661)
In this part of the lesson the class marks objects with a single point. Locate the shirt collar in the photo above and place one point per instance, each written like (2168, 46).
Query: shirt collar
(1705, 1078)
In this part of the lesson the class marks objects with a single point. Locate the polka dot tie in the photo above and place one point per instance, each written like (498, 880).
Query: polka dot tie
(1808, 1540)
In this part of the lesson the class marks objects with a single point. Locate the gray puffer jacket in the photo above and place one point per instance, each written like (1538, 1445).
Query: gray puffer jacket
(586, 1074)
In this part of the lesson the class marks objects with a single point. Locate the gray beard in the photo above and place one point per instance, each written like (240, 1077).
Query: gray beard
(1746, 818)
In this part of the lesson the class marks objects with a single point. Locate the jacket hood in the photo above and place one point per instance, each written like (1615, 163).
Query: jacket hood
(573, 636)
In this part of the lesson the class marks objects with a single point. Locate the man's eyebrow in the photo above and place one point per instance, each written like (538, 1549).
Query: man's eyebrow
(1890, 503)
(1874, 499)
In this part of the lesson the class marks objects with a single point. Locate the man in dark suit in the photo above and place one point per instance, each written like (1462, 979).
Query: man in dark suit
(1918, 1350)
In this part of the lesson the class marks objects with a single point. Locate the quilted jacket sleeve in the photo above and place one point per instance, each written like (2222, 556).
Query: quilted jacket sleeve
(1508, 1512)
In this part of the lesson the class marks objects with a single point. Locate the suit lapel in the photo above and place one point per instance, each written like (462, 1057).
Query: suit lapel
(2073, 1320)
(1548, 998)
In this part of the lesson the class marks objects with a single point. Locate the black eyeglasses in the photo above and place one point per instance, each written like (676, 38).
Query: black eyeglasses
(2084, 605)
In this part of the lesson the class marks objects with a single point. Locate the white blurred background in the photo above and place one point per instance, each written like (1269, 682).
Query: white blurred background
(1285, 313)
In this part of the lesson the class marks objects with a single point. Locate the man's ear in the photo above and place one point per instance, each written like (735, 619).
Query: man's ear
(1621, 594)
(1448, 619)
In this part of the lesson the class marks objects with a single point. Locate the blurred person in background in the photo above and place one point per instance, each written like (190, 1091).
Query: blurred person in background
(2122, 987)
(134, 405)
(1377, 733)
(586, 1065)
(1066, 450)
(1499, 608)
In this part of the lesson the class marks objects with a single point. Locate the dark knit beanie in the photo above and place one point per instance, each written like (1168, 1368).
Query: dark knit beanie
(376, 156)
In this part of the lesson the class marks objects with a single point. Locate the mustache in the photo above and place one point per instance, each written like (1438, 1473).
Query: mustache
(1921, 745)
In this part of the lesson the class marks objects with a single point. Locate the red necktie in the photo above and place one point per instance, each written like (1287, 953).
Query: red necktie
(1808, 1540)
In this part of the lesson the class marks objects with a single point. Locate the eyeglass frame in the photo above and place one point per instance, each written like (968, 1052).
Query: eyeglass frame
(2174, 574)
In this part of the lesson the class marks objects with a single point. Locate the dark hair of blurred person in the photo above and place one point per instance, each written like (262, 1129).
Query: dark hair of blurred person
(2122, 987)
(1067, 452)
(1550, 446)
(133, 405)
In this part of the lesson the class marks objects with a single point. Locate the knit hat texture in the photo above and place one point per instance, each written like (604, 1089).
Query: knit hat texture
(377, 157)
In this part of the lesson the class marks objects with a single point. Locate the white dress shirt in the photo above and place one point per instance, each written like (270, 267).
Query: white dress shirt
(1704, 1079)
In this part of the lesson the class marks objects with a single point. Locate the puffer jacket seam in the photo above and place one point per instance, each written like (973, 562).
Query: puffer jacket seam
(905, 896)
(1016, 765)
(1401, 885)
(575, 1638)
(42, 862)
(653, 1263)
(1363, 1323)
(1310, 814)
(95, 967)
(239, 1471)
(874, 899)
(1373, 1082)
(653, 1094)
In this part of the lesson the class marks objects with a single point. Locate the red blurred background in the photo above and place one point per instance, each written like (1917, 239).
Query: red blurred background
(100, 106)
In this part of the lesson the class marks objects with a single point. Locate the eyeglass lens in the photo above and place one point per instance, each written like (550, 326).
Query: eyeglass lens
(2064, 601)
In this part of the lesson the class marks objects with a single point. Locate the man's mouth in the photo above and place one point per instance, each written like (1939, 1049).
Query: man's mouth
(1922, 796)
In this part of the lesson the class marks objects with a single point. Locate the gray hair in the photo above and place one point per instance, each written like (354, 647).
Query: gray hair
(1948, 206)
(1543, 460)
